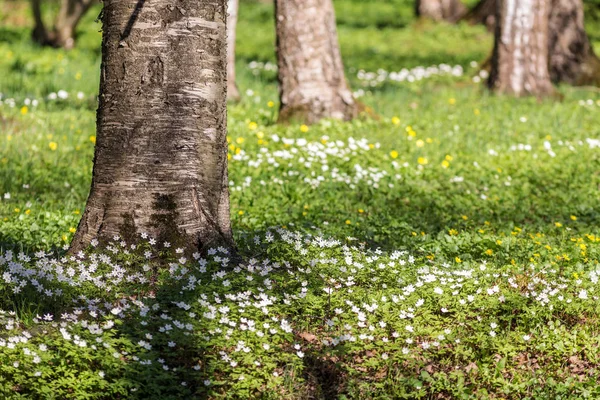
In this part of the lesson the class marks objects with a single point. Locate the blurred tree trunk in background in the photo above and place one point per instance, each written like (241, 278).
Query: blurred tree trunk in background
(160, 163)
(63, 32)
(520, 57)
(572, 58)
(312, 84)
(440, 10)
(483, 13)
(232, 15)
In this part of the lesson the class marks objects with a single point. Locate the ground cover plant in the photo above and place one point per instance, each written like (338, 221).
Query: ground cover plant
(445, 245)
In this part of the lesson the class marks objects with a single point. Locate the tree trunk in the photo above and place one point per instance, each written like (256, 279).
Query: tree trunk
(232, 90)
(483, 13)
(63, 34)
(71, 12)
(440, 10)
(572, 58)
(520, 58)
(39, 33)
(160, 165)
(311, 77)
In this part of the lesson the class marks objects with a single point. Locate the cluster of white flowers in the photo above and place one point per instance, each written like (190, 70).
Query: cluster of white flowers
(416, 74)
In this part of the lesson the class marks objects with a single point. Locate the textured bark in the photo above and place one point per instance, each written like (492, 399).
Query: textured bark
(483, 13)
(520, 58)
(440, 10)
(63, 33)
(160, 165)
(311, 77)
(572, 58)
(232, 90)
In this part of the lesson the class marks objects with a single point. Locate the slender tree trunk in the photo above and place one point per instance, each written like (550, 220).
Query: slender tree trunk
(160, 165)
(572, 58)
(63, 33)
(311, 77)
(440, 10)
(483, 13)
(232, 90)
(39, 34)
(520, 58)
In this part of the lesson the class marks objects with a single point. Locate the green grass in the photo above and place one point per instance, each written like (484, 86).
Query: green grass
(489, 196)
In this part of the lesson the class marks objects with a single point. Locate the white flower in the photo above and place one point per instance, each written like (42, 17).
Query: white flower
(526, 337)
(300, 354)
(405, 350)
(385, 356)
(583, 294)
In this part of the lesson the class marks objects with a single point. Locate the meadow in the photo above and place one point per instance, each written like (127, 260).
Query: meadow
(443, 245)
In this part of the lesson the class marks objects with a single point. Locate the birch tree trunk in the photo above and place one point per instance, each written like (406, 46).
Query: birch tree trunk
(572, 58)
(63, 33)
(160, 165)
(232, 90)
(520, 57)
(311, 77)
(440, 10)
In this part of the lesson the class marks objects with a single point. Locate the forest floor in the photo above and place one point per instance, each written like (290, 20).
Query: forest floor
(444, 246)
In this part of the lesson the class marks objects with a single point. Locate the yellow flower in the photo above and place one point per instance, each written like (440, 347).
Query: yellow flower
(573, 218)
(65, 238)
(28, 211)
(78, 76)
(229, 156)
(457, 259)
(303, 128)
(348, 222)
(72, 230)
(240, 212)
(394, 154)
(420, 143)
(464, 217)
(448, 157)
(252, 126)
(558, 224)
(360, 210)
(76, 212)
(24, 110)
(429, 140)
(270, 104)
(260, 134)
(575, 275)
(53, 146)
(476, 111)
(499, 242)
(445, 164)
(17, 210)
(422, 160)
(452, 100)
(371, 146)
(9, 137)
(395, 120)
(489, 252)
(93, 139)
(239, 140)
(481, 231)
(548, 137)
(453, 232)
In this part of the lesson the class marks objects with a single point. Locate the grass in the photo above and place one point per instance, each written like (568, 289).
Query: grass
(447, 248)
